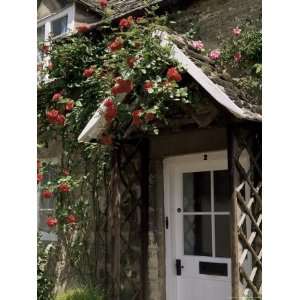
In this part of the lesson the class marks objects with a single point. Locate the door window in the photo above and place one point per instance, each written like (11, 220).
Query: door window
(206, 219)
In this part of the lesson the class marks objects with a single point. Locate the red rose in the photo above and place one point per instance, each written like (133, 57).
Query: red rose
(51, 222)
(173, 74)
(88, 72)
(103, 3)
(64, 188)
(83, 28)
(66, 172)
(70, 105)
(60, 120)
(106, 139)
(136, 117)
(130, 61)
(122, 86)
(149, 116)
(47, 194)
(56, 96)
(237, 57)
(40, 177)
(124, 24)
(110, 110)
(52, 115)
(148, 85)
(71, 219)
(117, 44)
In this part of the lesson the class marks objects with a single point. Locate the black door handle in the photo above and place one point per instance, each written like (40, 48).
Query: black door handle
(178, 267)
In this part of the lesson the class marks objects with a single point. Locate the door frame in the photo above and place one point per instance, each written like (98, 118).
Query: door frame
(171, 165)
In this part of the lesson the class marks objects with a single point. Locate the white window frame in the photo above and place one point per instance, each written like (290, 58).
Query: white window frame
(69, 11)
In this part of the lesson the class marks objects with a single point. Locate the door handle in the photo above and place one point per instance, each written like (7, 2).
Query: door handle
(178, 267)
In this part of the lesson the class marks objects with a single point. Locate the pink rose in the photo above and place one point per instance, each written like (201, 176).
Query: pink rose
(236, 31)
(214, 54)
(198, 45)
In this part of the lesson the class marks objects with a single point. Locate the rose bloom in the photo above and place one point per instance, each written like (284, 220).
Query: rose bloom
(198, 45)
(40, 177)
(83, 28)
(237, 57)
(64, 188)
(70, 105)
(136, 117)
(71, 219)
(236, 31)
(51, 222)
(52, 115)
(130, 61)
(122, 86)
(88, 72)
(45, 48)
(117, 44)
(66, 172)
(149, 116)
(148, 85)
(106, 139)
(56, 96)
(47, 194)
(173, 74)
(214, 54)
(110, 110)
(60, 120)
(103, 3)
(124, 23)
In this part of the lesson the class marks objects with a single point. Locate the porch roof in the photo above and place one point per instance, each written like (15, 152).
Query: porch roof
(219, 85)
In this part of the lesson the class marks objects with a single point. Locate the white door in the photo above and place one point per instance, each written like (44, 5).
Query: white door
(197, 205)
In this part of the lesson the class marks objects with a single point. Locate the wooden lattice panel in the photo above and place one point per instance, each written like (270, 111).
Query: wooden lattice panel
(249, 201)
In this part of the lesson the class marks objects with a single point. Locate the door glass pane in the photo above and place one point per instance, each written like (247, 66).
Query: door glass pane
(222, 224)
(197, 235)
(196, 191)
(59, 26)
(221, 190)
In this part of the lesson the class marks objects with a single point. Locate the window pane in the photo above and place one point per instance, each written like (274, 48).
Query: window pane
(221, 190)
(196, 191)
(59, 26)
(197, 235)
(222, 224)
(41, 33)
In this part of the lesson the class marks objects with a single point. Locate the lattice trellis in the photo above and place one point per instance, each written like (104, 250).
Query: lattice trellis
(127, 221)
(248, 199)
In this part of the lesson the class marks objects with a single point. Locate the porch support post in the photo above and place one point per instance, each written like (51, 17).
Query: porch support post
(234, 181)
(114, 220)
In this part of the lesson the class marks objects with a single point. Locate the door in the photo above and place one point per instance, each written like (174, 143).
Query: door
(197, 211)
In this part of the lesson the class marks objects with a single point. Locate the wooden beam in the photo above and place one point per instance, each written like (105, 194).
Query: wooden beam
(234, 183)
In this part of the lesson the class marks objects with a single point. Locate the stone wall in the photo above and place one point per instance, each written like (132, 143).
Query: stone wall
(212, 18)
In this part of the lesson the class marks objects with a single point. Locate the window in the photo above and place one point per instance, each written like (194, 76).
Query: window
(59, 26)
(41, 33)
(46, 207)
(206, 213)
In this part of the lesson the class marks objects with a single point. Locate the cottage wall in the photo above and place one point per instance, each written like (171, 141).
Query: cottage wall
(161, 147)
(210, 18)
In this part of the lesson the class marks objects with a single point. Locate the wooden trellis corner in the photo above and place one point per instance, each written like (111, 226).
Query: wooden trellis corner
(245, 165)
